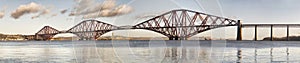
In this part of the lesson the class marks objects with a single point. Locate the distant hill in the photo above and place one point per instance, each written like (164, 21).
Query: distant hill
(4, 37)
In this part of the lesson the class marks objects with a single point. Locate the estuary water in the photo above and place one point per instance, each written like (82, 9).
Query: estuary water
(150, 51)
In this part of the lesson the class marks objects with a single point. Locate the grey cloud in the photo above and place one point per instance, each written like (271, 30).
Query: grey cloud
(63, 11)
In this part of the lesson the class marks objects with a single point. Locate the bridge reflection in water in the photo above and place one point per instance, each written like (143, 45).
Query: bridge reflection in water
(173, 52)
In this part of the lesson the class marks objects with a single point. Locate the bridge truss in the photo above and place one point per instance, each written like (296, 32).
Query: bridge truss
(86, 30)
(181, 24)
(91, 29)
(176, 25)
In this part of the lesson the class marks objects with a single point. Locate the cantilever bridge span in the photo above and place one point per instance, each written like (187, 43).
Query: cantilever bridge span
(88, 29)
(176, 25)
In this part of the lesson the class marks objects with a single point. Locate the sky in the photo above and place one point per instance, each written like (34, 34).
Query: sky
(249, 11)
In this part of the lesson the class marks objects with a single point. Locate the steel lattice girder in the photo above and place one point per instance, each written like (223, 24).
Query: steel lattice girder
(184, 23)
(91, 29)
(47, 32)
(176, 23)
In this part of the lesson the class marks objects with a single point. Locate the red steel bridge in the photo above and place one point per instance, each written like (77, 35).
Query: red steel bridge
(176, 25)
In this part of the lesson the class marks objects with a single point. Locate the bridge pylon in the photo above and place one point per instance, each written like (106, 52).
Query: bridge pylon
(239, 30)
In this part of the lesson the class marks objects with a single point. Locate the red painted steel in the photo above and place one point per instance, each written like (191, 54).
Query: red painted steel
(46, 33)
(181, 24)
(86, 30)
(91, 29)
(175, 24)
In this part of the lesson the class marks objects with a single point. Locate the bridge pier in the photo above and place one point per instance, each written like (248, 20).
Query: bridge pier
(255, 33)
(35, 36)
(176, 38)
(170, 38)
(239, 30)
(183, 38)
(45, 37)
(287, 32)
(271, 34)
(84, 38)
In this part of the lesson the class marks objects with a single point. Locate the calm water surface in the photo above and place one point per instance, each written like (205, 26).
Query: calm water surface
(149, 52)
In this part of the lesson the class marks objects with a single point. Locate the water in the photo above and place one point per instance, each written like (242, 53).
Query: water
(149, 52)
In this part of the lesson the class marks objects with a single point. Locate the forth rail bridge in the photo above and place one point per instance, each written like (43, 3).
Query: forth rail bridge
(176, 25)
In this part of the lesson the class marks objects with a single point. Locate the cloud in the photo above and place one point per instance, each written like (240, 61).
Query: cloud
(63, 11)
(108, 4)
(29, 9)
(53, 15)
(44, 12)
(123, 9)
(1, 14)
(106, 9)
(83, 4)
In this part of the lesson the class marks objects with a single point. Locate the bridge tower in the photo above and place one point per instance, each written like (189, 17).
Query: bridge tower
(46, 33)
(181, 24)
(91, 29)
